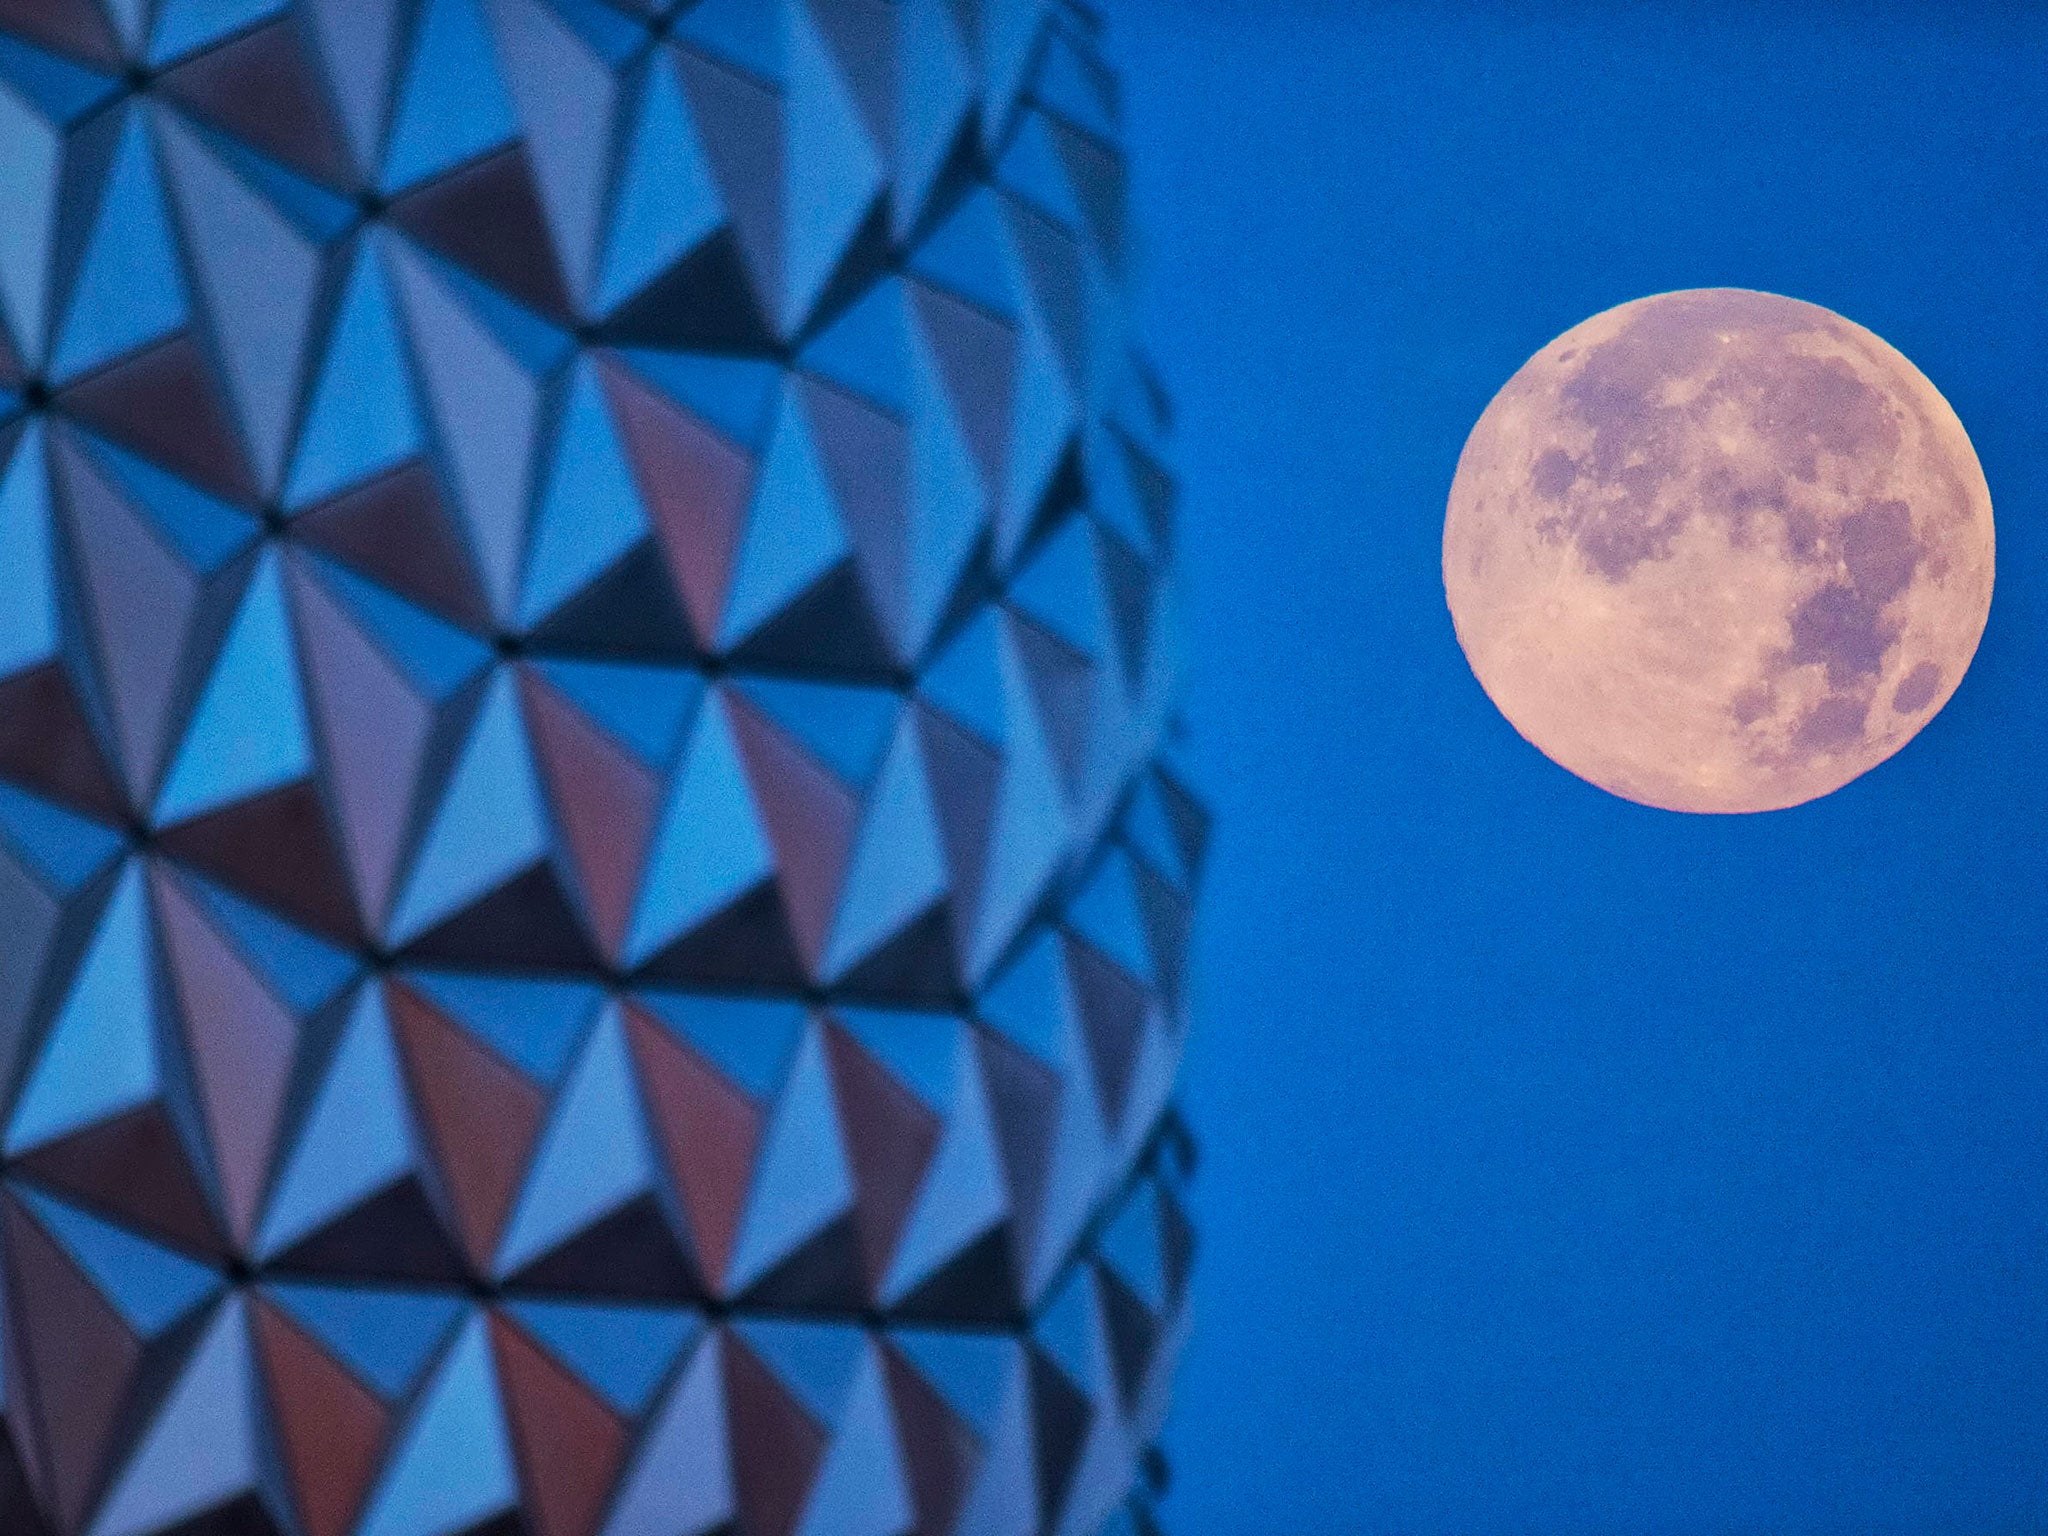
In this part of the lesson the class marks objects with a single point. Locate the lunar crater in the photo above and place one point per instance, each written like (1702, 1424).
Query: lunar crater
(1694, 543)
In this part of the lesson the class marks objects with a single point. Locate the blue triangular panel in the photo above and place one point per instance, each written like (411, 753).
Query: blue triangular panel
(802, 1182)
(590, 511)
(1028, 1002)
(667, 202)
(1061, 590)
(867, 349)
(1066, 1330)
(239, 244)
(923, 1050)
(1069, 86)
(490, 826)
(454, 105)
(681, 1481)
(964, 1195)
(594, 1158)
(794, 534)
(436, 658)
(65, 850)
(1031, 821)
(949, 502)
(971, 1371)
(128, 291)
(249, 733)
(968, 255)
(966, 680)
(1031, 168)
(183, 26)
(453, 1470)
(844, 726)
(744, 33)
(710, 848)
(101, 1055)
(384, 1336)
(205, 532)
(1131, 1245)
(150, 1286)
(816, 1361)
(564, 93)
(862, 1489)
(56, 88)
(357, 1138)
(899, 868)
(488, 407)
(1009, 40)
(359, 38)
(750, 1041)
(737, 395)
(534, 1024)
(1043, 429)
(624, 1352)
(202, 1449)
(833, 171)
(1106, 913)
(301, 969)
(28, 619)
(28, 214)
(646, 707)
(364, 417)
(937, 95)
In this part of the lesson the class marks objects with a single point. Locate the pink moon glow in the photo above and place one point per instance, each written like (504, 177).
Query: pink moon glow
(1718, 550)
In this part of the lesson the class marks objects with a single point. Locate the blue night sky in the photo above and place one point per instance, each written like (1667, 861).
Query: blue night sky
(1570, 1166)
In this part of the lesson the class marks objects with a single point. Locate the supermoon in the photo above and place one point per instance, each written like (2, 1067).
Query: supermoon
(1718, 551)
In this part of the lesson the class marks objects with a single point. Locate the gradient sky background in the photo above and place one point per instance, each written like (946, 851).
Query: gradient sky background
(1574, 1167)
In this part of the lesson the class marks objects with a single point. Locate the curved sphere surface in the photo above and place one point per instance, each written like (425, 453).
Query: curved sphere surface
(591, 909)
(1718, 550)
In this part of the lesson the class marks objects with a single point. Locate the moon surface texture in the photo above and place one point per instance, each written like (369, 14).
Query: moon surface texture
(1719, 550)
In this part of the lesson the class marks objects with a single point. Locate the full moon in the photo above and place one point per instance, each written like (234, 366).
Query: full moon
(1718, 550)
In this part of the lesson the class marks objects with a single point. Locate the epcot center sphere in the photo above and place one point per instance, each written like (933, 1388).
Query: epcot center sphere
(592, 888)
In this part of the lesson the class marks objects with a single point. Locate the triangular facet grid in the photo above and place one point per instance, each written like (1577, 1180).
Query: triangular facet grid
(593, 891)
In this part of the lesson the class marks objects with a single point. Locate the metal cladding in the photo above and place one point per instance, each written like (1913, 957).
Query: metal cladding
(591, 912)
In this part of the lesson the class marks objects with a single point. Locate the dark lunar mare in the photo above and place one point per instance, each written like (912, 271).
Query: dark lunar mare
(1812, 415)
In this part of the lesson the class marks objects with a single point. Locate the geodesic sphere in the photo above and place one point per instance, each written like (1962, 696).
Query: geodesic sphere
(591, 906)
